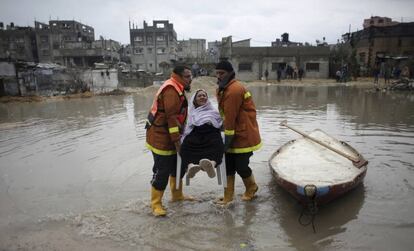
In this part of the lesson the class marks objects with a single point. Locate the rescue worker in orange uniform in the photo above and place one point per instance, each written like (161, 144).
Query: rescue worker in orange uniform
(164, 127)
(241, 131)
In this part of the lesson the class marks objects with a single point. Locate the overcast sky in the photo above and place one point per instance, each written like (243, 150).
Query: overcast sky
(262, 21)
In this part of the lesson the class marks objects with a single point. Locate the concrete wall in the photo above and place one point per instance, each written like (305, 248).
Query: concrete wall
(55, 81)
(8, 81)
(104, 80)
(7, 69)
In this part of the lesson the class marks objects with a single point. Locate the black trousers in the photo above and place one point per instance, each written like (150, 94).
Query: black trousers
(238, 162)
(164, 166)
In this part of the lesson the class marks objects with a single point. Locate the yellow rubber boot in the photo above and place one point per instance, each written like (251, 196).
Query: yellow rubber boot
(251, 188)
(156, 204)
(228, 192)
(177, 194)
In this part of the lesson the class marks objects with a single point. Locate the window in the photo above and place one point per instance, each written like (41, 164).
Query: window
(160, 38)
(312, 67)
(276, 66)
(160, 50)
(149, 39)
(138, 39)
(149, 50)
(160, 25)
(362, 57)
(139, 50)
(19, 40)
(44, 39)
(245, 67)
(381, 21)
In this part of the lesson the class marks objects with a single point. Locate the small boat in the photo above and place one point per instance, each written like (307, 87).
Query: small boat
(317, 167)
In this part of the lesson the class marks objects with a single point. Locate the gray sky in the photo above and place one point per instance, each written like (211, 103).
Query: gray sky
(262, 21)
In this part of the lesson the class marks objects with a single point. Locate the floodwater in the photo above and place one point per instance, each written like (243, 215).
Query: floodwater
(74, 175)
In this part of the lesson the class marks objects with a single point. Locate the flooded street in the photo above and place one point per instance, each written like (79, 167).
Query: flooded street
(74, 175)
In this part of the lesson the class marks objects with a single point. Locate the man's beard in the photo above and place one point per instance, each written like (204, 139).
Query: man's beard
(187, 88)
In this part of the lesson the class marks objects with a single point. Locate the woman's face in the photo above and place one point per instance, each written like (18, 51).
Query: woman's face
(201, 98)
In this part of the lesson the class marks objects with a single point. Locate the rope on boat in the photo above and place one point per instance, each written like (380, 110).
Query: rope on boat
(309, 210)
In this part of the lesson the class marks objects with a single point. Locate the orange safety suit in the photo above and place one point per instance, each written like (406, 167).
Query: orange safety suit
(167, 117)
(237, 108)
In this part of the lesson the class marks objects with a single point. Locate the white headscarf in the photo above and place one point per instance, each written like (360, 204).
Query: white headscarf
(198, 116)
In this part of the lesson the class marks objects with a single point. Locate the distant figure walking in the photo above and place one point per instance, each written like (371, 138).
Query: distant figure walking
(279, 74)
(338, 75)
(266, 74)
(344, 73)
(300, 73)
(387, 74)
(195, 69)
(376, 75)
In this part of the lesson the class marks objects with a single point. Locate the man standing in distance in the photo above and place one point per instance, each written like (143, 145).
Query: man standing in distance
(241, 131)
(164, 127)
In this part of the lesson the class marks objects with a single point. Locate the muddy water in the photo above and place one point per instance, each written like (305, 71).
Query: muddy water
(75, 175)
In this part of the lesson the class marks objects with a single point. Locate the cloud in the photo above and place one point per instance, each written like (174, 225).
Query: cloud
(262, 21)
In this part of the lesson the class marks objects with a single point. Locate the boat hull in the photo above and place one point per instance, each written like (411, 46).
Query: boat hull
(324, 192)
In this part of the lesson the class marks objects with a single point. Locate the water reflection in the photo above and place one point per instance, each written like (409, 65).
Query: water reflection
(330, 220)
(58, 157)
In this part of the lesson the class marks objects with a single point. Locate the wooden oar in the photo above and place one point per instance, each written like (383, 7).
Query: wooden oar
(359, 162)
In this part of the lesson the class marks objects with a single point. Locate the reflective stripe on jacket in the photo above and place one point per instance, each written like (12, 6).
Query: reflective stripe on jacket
(239, 114)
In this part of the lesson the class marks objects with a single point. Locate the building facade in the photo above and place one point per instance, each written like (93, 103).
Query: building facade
(250, 63)
(378, 22)
(61, 38)
(192, 50)
(66, 42)
(18, 43)
(375, 43)
(154, 48)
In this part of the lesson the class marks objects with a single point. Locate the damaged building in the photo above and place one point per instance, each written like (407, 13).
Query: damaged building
(191, 50)
(250, 63)
(18, 43)
(47, 79)
(65, 42)
(381, 38)
(154, 47)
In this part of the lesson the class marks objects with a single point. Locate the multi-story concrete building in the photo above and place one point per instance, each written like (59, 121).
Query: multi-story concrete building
(191, 50)
(68, 43)
(153, 47)
(61, 41)
(388, 40)
(18, 43)
(378, 22)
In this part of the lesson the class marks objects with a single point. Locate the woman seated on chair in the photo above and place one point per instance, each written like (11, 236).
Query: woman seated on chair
(202, 146)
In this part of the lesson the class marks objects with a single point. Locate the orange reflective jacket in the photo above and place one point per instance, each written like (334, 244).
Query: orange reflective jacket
(239, 118)
(167, 117)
